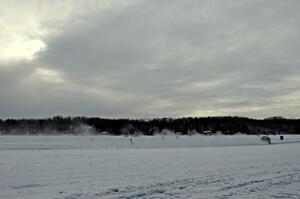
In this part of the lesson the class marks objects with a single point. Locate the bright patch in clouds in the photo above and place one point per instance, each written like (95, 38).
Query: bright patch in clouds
(20, 48)
(25, 25)
(48, 75)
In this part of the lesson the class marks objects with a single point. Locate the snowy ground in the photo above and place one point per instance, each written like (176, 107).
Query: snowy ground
(94, 167)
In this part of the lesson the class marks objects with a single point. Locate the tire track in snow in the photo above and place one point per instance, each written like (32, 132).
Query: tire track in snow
(250, 186)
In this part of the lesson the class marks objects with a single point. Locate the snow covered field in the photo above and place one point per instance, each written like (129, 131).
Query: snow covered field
(94, 167)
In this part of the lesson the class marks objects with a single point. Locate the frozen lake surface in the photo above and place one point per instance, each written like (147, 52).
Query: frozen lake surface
(94, 167)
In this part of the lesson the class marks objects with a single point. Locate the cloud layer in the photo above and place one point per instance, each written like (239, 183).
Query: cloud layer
(145, 59)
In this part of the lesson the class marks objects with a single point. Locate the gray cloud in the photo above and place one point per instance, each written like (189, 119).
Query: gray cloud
(158, 58)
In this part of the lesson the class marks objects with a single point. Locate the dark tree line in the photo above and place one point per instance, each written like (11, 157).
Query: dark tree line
(211, 125)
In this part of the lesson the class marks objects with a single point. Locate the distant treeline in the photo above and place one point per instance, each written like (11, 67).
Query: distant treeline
(184, 126)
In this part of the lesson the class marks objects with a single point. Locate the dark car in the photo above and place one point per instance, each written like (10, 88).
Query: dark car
(266, 139)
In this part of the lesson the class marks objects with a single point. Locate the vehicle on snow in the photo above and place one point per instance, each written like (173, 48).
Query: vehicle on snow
(266, 139)
(281, 137)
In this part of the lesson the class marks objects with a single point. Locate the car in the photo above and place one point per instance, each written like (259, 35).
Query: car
(266, 139)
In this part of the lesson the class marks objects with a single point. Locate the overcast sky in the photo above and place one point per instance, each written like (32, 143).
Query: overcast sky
(149, 58)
